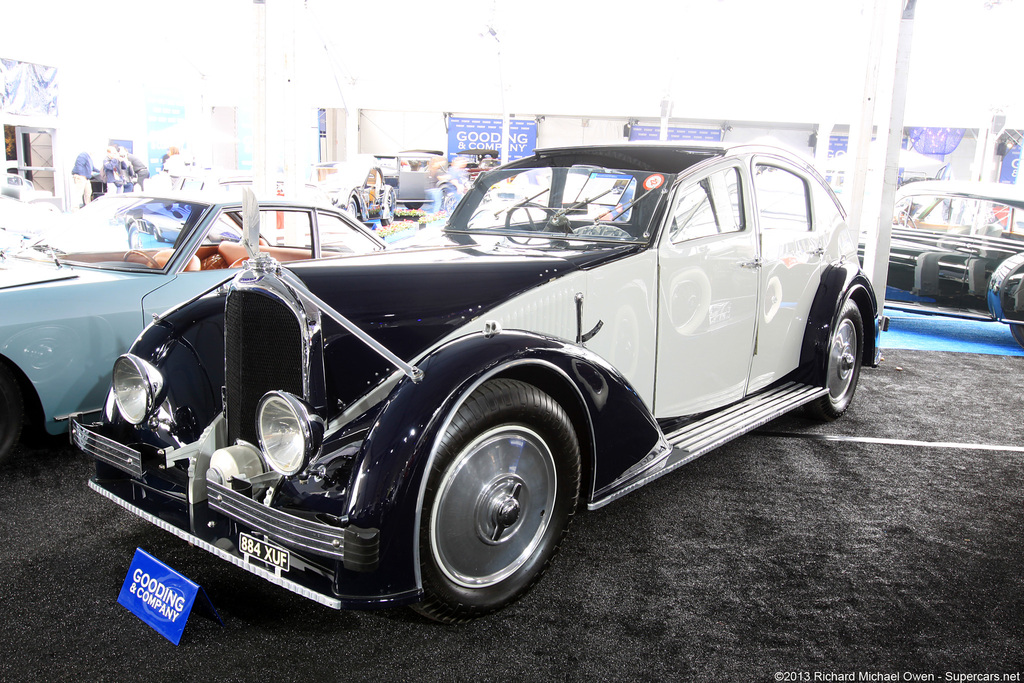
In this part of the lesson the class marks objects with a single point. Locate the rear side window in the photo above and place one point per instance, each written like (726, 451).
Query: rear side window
(956, 215)
(783, 202)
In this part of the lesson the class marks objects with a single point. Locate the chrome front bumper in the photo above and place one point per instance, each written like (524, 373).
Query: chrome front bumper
(213, 524)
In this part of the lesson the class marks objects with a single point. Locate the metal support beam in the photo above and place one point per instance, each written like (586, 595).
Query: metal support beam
(259, 113)
(874, 189)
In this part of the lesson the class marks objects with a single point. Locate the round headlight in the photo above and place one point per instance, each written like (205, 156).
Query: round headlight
(290, 432)
(136, 385)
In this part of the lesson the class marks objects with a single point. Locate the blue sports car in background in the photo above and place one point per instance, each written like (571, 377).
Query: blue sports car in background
(75, 297)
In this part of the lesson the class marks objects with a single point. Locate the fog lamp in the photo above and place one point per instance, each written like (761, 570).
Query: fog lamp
(290, 432)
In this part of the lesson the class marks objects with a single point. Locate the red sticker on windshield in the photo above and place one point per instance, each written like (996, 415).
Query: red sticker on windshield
(654, 181)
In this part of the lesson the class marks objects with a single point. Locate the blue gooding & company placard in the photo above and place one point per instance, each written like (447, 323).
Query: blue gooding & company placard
(160, 596)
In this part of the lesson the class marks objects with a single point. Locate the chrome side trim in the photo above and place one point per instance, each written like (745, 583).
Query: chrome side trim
(109, 451)
(313, 537)
(270, 576)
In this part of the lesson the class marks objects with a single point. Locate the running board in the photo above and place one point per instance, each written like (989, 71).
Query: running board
(697, 438)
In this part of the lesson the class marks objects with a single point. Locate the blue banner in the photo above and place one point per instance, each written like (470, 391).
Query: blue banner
(160, 596)
(1011, 165)
(165, 126)
(28, 88)
(675, 133)
(837, 145)
(478, 133)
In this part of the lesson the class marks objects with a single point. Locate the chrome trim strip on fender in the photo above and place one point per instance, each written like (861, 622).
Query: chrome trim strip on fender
(270, 576)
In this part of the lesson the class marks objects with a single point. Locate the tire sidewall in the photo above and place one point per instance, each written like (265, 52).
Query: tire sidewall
(476, 416)
(850, 311)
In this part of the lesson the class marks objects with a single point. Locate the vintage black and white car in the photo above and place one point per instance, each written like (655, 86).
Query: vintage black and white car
(420, 426)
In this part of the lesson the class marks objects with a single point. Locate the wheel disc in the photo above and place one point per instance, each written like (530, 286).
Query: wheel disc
(493, 506)
(842, 360)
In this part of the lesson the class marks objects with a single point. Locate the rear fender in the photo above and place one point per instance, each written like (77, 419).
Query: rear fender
(841, 282)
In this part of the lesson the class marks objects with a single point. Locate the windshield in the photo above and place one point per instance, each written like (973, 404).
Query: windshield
(578, 202)
(103, 231)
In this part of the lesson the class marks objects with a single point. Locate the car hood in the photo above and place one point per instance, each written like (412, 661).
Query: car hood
(16, 273)
(410, 300)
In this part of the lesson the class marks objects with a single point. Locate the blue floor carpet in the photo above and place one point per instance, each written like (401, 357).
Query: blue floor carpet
(937, 333)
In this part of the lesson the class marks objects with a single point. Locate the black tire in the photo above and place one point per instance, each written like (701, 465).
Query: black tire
(1018, 333)
(488, 531)
(845, 353)
(12, 412)
(353, 208)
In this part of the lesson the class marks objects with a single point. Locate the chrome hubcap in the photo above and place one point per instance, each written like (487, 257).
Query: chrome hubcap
(493, 506)
(842, 359)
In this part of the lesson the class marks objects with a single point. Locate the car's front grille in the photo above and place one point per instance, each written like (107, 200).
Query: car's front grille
(263, 352)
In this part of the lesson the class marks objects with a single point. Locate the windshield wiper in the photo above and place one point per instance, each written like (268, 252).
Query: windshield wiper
(626, 208)
(559, 219)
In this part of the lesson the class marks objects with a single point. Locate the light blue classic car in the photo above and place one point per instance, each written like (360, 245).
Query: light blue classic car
(72, 300)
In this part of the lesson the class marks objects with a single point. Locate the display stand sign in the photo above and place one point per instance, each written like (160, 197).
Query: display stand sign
(162, 597)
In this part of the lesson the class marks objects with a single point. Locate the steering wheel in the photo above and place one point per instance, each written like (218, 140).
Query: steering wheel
(147, 259)
(528, 205)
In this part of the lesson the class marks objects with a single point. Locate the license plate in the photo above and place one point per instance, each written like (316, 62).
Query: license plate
(254, 548)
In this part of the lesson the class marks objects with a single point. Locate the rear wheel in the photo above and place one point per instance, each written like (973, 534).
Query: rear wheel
(387, 206)
(845, 351)
(500, 496)
(12, 412)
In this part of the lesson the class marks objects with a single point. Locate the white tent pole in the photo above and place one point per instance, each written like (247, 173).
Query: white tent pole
(259, 114)
(878, 268)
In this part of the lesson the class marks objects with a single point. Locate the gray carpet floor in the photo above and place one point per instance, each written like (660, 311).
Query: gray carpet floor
(781, 556)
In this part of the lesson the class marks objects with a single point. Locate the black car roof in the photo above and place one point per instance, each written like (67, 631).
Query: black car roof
(659, 158)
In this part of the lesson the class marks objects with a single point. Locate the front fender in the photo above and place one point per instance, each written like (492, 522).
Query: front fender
(186, 343)
(614, 428)
(840, 282)
(1006, 301)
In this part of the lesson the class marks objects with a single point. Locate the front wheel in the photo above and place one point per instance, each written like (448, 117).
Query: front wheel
(845, 351)
(500, 496)
(12, 412)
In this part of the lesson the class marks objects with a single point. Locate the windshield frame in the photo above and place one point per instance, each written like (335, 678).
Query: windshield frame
(642, 210)
(47, 247)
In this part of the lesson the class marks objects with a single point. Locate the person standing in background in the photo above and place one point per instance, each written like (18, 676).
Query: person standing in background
(82, 175)
(174, 163)
(114, 168)
(140, 169)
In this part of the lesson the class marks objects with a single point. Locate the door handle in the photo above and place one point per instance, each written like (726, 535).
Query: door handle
(756, 263)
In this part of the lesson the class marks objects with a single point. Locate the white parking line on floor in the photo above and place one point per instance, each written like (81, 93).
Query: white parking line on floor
(895, 442)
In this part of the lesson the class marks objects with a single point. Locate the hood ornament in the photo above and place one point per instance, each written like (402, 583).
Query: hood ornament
(259, 261)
